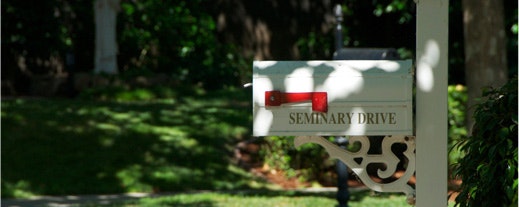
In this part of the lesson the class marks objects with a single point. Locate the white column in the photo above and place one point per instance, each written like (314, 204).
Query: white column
(431, 102)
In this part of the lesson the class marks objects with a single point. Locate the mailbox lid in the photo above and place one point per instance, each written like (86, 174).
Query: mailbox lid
(344, 81)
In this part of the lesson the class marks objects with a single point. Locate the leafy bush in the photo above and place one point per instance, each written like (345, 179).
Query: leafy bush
(131, 86)
(457, 131)
(306, 162)
(489, 167)
(177, 38)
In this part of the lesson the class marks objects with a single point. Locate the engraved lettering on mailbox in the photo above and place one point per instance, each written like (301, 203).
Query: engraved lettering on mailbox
(342, 118)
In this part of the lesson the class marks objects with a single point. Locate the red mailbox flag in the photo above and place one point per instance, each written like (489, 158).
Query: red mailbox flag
(319, 99)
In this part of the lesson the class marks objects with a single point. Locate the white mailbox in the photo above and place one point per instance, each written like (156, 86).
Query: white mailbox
(332, 98)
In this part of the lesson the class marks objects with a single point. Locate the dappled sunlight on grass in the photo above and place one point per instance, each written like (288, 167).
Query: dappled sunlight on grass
(81, 147)
(270, 198)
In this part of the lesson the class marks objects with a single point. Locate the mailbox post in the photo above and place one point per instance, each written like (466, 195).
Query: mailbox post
(432, 21)
(366, 98)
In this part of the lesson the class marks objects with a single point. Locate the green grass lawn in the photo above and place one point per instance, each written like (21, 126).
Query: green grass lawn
(62, 146)
(259, 198)
(272, 199)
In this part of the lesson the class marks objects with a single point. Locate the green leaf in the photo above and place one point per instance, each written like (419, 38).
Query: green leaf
(128, 9)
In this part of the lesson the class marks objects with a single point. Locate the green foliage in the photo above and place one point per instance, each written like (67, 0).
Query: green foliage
(306, 162)
(136, 85)
(395, 18)
(19, 189)
(24, 37)
(173, 37)
(489, 167)
(125, 94)
(42, 38)
(457, 98)
(403, 7)
(182, 38)
(277, 154)
(314, 46)
(119, 94)
(177, 38)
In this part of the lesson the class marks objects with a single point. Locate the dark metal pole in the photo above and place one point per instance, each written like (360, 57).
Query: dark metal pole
(343, 195)
(338, 28)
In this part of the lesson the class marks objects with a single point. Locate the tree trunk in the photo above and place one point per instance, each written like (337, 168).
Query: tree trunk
(485, 49)
(105, 12)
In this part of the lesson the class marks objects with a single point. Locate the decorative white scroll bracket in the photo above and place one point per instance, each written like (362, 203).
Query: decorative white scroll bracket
(358, 161)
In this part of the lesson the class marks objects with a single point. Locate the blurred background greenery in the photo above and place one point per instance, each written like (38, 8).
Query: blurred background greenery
(171, 119)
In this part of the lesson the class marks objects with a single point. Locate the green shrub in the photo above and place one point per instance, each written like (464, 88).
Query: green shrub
(115, 93)
(489, 167)
(457, 131)
(178, 38)
(305, 162)
(134, 86)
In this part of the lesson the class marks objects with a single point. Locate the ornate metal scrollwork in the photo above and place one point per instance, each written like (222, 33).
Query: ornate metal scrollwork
(358, 161)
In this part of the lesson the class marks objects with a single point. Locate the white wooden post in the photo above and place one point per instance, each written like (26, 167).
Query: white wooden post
(431, 102)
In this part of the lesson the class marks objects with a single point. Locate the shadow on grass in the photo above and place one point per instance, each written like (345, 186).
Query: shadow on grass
(55, 147)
